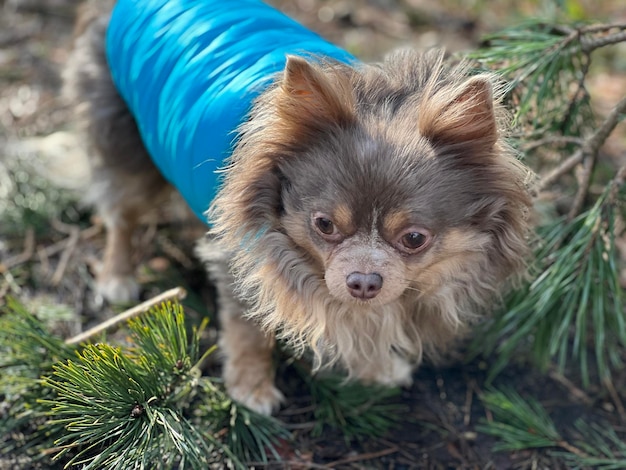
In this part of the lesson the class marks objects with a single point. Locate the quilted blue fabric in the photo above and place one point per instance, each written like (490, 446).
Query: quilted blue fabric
(189, 71)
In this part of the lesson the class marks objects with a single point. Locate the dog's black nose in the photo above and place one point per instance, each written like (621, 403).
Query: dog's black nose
(364, 286)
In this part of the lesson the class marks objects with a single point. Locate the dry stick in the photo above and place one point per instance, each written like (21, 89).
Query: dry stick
(590, 147)
(176, 293)
(572, 449)
(360, 457)
(616, 399)
(599, 28)
(86, 234)
(591, 44)
(589, 164)
(65, 257)
(172, 250)
(24, 256)
(617, 181)
(289, 464)
(53, 249)
(469, 398)
(552, 140)
(573, 389)
(590, 29)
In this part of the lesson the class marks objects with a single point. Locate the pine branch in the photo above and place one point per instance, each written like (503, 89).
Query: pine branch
(518, 423)
(177, 293)
(590, 148)
(576, 288)
(358, 411)
(524, 424)
(27, 352)
(591, 44)
(104, 407)
(575, 301)
(541, 61)
(603, 448)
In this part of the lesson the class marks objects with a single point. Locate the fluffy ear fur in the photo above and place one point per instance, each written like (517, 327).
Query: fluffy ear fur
(465, 117)
(308, 98)
(312, 98)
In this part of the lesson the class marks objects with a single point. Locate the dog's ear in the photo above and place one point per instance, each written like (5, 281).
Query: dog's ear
(461, 117)
(315, 94)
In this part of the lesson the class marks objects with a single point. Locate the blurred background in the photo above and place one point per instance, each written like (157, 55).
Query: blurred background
(49, 242)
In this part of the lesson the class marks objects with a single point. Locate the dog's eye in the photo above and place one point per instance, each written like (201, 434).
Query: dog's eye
(414, 240)
(325, 225)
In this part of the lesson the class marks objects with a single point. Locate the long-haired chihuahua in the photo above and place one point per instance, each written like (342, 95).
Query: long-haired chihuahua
(367, 213)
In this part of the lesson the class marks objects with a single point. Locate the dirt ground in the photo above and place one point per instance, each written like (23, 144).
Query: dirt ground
(438, 430)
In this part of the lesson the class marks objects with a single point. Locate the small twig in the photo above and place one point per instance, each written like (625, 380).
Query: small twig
(11, 284)
(173, 251)
(590, 147)
(570, 448)
(295, 464)
(469, 398)
(44, 260)
(53, 249)
(62, 227)
(24, 256)
(583, 187)
(560, 170)
(70, 247)
(306, 426)
(176, 293)
(361, 457)
(589, 45)
(616, 399)
(573, 389)
(552, 140)
(86, 234)
(599, 28)
(616, 182)
(580, 89)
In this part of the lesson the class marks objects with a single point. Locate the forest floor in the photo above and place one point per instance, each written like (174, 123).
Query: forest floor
(53, 241)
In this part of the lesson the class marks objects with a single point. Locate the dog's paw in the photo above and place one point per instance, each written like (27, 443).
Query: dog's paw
(398, 373)
(118, 289)
(264, 398)
(401, 372)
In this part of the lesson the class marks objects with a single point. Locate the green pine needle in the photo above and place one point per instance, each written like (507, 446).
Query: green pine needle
(125, 409)
(27, 352)
(575, 301)
(146, 406)
(524, 424)
(601, 448)
(541, 62)
(518, 423)
(357, 410)
(251, 435)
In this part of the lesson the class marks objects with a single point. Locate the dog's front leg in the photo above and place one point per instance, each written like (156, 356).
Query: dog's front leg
(115, 280)
(248, 363)
(247, 352)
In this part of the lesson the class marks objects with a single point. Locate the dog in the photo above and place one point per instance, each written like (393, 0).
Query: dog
(368, 213)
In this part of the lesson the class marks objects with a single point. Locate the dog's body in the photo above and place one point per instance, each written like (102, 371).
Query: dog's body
(368, 212)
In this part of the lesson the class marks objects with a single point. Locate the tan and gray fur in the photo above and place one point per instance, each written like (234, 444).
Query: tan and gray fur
(367, 214)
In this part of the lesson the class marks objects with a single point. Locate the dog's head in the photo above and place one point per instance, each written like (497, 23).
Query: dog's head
(373, 186)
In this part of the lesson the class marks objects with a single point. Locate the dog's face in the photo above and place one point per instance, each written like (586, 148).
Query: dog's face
(396, 198)
(381, 215)
(381, 203)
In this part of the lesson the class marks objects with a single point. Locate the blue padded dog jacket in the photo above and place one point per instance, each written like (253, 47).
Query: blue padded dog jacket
(189, 71)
